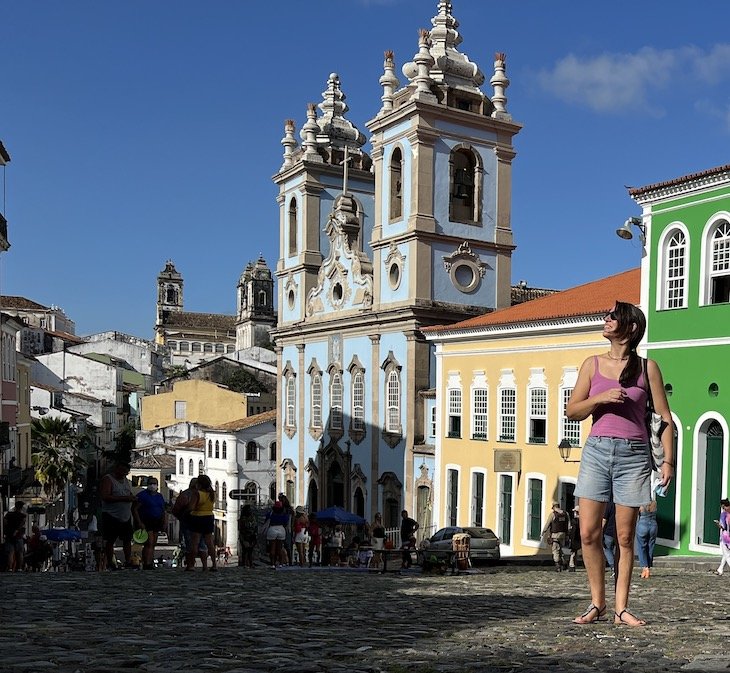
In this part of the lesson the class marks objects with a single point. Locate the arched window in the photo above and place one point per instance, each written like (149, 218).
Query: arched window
(224, 449)
(336, 402)
(250, 492)
(210, 448)
(200, 467)
(217, 449)
(316, 398)
(230, 348)
(224, 493)
(181, 467)
(184, 346)
(674, 290)
(207, 348)
(291, 401)
(262, 297)
(719, 264)
(293, 227)
(220, 348)
(358, 401)
(196, 347)
(464, 188)
(392, 395)
(396, 185)
(190, 467)
(252, 451)
(217, 493)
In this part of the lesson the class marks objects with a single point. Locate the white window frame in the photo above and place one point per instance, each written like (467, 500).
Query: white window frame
(447, 495)
(336, 396)
(392, 400)
(706, 255)
(479, 407)
(316, 396)
(534, 412)
(358, 400)
(454, 411)
(291, 402)
(664, 272)
(473, 497)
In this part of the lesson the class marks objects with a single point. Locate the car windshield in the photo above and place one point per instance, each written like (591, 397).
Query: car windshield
(485, 533)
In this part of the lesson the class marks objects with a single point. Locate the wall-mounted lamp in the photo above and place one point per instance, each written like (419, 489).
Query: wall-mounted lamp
(564, 447)
(627, 234)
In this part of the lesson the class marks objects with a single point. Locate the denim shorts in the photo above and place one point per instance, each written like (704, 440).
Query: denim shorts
(610, 466)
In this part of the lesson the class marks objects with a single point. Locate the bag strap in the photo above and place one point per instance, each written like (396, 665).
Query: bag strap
(649, 396)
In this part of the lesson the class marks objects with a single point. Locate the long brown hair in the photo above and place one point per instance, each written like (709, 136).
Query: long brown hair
(630, 330)
(205, 485)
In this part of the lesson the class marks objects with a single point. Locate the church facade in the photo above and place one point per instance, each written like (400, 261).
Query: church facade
(194, 338)
(373, 249)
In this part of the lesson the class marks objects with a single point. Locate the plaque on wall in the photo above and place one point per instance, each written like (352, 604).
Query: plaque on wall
(507, 460)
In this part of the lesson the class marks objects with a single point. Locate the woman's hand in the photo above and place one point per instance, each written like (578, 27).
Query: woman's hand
(611, 396)
(667, 471)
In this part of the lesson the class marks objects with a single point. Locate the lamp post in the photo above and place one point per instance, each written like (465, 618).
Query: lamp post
(627, 234)
(564, 448)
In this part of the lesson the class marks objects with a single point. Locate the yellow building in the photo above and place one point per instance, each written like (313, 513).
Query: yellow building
(503, 382)
(193, 401)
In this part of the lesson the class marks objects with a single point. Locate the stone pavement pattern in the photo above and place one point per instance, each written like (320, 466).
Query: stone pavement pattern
(504, 619)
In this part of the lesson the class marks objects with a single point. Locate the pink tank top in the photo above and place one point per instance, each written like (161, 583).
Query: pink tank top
(625, 421)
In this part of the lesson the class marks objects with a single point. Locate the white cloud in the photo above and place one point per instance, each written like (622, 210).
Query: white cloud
(621, 83)
(711, 109)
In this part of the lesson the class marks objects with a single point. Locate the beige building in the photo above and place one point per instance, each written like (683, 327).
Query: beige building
(503, 382)
(194, 401)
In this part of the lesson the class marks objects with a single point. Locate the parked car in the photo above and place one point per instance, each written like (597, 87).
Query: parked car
(483, 545)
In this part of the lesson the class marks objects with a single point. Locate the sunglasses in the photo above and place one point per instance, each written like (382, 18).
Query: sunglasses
(612, 315)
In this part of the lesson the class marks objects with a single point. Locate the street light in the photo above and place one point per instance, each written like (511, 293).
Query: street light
(625, 232)
(564, 447)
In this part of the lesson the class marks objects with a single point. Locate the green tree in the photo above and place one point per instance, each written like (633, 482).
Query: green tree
(124, 444)
(241, 381)
(55, 454)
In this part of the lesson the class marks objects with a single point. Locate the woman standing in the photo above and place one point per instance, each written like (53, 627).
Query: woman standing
(201, 521)
(646, 530)
(248, 526)
(276, 532)
(300, 534)
(616, 460)
(151, 515)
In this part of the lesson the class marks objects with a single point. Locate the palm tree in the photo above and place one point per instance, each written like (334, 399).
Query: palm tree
(55, 456)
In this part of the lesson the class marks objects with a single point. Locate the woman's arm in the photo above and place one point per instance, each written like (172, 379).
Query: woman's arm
(581, 406)
(661, 407)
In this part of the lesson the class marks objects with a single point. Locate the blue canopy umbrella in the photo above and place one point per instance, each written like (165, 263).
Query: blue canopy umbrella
(61, 534)
(339, 515)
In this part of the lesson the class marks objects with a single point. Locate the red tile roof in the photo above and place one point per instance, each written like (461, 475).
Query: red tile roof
(638, 191)
(594, 298)
(248, 422)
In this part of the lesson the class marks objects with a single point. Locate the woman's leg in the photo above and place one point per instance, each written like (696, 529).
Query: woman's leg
(651, 542)
(192, 552)
(625, 536)
(591, 534)
(300, 553)
(211, 545)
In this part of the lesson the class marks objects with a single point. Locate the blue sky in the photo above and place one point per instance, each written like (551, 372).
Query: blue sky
(146, 131)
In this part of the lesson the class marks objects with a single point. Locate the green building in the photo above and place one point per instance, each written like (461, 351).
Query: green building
(685, 291)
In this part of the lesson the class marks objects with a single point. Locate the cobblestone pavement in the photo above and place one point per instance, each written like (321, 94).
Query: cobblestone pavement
(500, 619)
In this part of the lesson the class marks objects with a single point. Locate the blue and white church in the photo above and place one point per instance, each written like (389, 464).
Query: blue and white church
(374, 247)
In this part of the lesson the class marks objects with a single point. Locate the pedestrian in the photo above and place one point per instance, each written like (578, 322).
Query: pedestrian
(408, 528)
(14, 534)
(301, 521)
(248, 527)
(117, 501)
(287, 547)
(151, 515)
(574, 539)
(181, 509)
(202, 521)
(724, 524)
(616, 458)
(555, 532)
(315, 539)
(646, 530)
(608, 536)
(337, 542)
(276, 531)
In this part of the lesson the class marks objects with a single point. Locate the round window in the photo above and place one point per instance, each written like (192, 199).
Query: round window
(713, 390)
(290, 299)
(464, 276)
(668, 389)
(394, 275)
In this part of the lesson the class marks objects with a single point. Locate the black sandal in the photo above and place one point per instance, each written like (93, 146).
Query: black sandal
(620, 621)
(600, 615)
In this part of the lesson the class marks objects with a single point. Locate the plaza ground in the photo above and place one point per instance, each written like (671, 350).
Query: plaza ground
(502, 618)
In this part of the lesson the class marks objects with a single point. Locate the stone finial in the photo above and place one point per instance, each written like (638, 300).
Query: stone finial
(423, 61)
(500, 83)
(309, 134)
(289, 142)
(333, 99)
(389, 82)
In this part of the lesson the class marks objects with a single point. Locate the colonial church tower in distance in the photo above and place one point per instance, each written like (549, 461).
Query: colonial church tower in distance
(370, 257)
(255, 315)
(169, 296)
